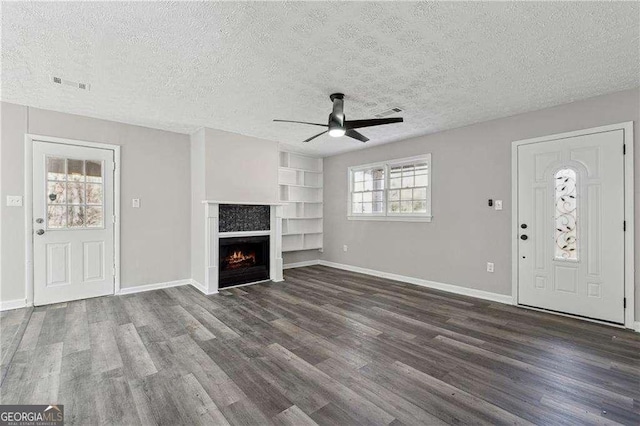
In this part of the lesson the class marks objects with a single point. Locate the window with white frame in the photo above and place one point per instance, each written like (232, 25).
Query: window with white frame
(391, 190)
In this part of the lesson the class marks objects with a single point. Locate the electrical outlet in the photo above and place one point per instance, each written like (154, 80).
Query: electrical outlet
(498, 205)
(135, 203)
(345, 248)
(14, 200)
(489, 266)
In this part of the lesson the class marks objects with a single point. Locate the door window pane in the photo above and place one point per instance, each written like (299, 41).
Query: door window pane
(566, 207)
(56, 192)
(94, 217)
(74, 193)
(56, 217)
(56, 169)
(75, 170)
(94, 193)
(94, 171)
(75, 216)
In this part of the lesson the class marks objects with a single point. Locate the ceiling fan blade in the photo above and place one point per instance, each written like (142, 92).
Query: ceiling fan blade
(356, 135)
(313, 137)
(301, 122)
(357, 124)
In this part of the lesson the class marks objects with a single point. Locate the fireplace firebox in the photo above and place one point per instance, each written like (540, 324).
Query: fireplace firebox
(243, 260)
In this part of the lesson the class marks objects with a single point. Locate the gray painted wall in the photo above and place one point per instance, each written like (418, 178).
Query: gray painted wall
(155, 239)
(197, 208)
(240, 168)
(470, 165)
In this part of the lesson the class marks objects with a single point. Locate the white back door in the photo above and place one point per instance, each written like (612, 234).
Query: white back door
(570, 218)
(73, 209)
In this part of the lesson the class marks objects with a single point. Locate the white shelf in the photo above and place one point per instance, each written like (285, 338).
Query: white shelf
(300, 170)
(301, 186)
(300, 178)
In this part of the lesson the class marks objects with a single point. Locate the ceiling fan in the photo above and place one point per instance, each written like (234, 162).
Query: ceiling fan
(338, 126)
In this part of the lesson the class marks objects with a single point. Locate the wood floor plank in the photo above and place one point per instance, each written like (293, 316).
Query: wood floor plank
(135, 358)
(293, 416)
(324, 347)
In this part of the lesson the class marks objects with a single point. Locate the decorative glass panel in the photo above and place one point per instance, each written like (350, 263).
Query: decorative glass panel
(566, 215)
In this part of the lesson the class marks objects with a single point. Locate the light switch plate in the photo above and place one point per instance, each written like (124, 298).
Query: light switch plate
(498, 204)
(489, 266)
(135, 203)
(14, 200)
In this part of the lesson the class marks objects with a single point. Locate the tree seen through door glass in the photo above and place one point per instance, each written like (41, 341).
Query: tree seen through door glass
(74, 193)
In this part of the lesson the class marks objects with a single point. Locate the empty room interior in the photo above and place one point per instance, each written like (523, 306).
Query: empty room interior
(331, 213)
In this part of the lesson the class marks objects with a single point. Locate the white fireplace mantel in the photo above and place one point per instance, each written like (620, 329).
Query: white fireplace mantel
(212, 237)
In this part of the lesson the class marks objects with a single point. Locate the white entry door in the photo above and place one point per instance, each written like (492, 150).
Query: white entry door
(570, 219)
(73, 209)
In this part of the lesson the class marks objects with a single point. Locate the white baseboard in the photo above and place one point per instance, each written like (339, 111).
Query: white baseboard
(198, 286)
(155, 286)
(636, 326)
(13, 304)
(451, 288)
(301, 264)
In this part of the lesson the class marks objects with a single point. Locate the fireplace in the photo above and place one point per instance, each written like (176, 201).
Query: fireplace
(243, 260)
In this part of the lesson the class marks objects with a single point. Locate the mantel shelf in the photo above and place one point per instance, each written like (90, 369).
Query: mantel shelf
(246, 203)
(243, 234)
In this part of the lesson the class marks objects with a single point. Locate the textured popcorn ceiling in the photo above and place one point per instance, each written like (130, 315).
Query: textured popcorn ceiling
(236, 66)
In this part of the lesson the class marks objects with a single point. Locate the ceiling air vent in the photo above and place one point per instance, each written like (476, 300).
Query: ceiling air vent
(388, 112)
(62, 81)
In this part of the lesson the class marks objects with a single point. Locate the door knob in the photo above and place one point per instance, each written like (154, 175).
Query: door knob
(40, 231)
(523, 226)
(523, 237)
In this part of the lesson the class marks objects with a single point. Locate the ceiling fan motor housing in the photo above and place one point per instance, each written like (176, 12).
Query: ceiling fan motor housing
(336, 118)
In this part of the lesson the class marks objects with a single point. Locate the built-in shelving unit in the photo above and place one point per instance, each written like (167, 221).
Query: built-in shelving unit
(300, 180)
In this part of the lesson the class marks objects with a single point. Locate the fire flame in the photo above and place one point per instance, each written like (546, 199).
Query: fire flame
(238, 256)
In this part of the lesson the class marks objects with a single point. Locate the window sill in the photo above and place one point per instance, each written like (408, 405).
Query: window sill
(393, 218)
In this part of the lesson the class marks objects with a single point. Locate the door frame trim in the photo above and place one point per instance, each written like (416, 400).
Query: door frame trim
(29, 139)
(629, 283)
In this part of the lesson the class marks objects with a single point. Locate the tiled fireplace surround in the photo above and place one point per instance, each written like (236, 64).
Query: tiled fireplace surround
(225, 219)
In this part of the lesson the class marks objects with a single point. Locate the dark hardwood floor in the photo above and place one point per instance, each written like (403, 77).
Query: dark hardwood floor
(326, 347)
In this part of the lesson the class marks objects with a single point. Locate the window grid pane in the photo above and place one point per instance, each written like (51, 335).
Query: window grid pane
(412, 179)
(368, 191)
(406, 194)
(74, 193)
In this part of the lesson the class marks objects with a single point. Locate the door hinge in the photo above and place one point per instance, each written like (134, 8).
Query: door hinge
(624, 226)
(624, 149)
(624, 303)
(114, 166)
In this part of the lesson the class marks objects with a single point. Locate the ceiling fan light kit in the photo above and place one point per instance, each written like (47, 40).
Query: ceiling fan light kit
(338, 126)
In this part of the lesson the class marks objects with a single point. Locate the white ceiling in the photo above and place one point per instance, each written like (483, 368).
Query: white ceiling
(236, 66)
